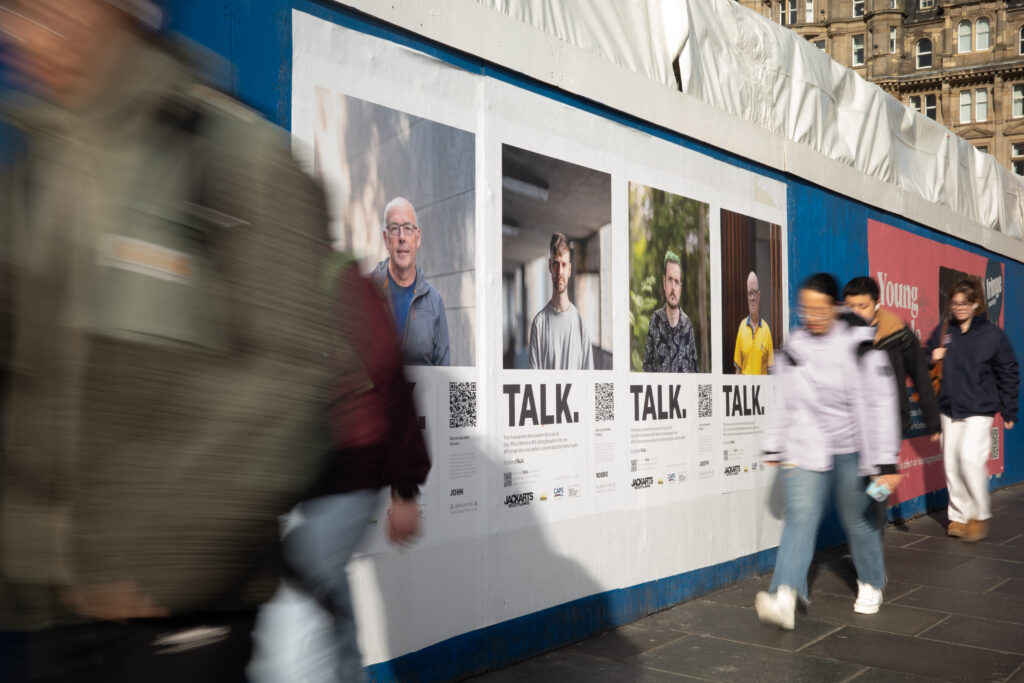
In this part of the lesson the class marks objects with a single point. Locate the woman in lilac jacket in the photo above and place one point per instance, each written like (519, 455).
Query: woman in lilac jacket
(835, 424)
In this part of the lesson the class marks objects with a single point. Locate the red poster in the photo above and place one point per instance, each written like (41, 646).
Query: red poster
(913, 274)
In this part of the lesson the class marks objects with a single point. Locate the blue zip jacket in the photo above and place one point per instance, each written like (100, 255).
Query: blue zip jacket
(980, 375)
(426, 327)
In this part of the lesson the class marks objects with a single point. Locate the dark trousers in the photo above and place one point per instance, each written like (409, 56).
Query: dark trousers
(195, 649)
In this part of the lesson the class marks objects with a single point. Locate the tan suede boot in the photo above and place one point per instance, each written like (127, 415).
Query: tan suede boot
(956, 529)
(977, 529)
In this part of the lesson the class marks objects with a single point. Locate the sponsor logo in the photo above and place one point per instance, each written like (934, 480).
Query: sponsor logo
(705, 463)
(457, 492)
(543, 497)
(559, 491)
(514, 500)
(671, 477)
(602, 475)
(732, 471)
(574, 491)
(660, 481)
(642, 482)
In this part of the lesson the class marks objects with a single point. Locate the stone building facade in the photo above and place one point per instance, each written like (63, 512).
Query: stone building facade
(959, 62)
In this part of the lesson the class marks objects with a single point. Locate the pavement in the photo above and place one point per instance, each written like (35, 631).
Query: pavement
(953, 611)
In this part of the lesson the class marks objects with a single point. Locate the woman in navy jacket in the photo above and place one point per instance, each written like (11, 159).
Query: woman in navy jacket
(979, 379)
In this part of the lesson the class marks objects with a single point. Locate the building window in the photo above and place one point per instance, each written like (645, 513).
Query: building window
(1017, 157)
(894, 4)
(892, 40)
(924, 54)
(858, 8)
(983, 149)
(1018, 101)
(809, 12)
(929, 106)
(981, 105)
(965, 106)
(926, 4)
(981, 41)
(820, 44)
(791, 19)
(963, 32)
(858, 50)
(1020, 48)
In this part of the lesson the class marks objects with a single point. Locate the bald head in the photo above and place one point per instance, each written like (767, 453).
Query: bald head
(753, 298)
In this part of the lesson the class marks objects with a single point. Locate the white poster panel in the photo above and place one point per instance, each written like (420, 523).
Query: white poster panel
(542, 451)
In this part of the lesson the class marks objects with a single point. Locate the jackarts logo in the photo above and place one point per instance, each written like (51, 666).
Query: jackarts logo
(514, 500)
(642, 482)
(732, 471)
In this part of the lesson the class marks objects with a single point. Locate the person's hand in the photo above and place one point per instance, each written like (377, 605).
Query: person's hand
(934, 438)
(890, 480)
(772, 463)
(1009, 424)
(938, 354)
(404, 521)
(116, 601)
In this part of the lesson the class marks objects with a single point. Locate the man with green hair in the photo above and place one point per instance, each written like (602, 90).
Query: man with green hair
(670, 343)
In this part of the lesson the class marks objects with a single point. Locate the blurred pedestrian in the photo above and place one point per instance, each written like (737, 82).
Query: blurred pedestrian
(906, 356)
(980, 377)
(376, 443)
(163, 350)
(834, 425)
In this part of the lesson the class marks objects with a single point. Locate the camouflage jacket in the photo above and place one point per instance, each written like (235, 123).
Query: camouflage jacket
(670, 349)
(164, 346)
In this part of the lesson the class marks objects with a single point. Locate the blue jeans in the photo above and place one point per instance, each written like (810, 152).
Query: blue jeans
(318, 549)
(806, 494)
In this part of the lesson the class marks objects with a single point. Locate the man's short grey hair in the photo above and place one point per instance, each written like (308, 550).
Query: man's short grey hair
(394, 204)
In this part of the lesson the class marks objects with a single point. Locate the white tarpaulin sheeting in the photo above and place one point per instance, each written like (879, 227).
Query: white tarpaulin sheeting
(744, 64)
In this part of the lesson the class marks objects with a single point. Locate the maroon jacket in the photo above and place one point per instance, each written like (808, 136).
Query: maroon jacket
(372, 417)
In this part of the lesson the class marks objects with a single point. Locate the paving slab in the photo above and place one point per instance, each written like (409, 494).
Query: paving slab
(716, 659)
(1011, 587)
(873, 675)
(985, 606)
(740, 624)
(898, 539)
(627, 641)
(842, 586)
(983, 549)
(982, 633)
(742, 594)
(916, 656)
(566, 666)
(974, 575)
(891, 618)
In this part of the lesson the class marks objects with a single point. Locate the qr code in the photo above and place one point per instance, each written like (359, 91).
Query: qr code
(993, 453)
(461, 404)
(632, 465)
(604, 401)
(704, 400)
(508, 479)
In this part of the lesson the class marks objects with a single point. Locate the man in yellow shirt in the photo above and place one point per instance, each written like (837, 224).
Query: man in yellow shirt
(754, 353)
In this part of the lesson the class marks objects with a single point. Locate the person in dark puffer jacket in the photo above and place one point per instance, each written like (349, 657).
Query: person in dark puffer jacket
(980, 377)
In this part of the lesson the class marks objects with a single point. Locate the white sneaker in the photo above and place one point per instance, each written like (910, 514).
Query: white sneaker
(778, 608)
(869, 599)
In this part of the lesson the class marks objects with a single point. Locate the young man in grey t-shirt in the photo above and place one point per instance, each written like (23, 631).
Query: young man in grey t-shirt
(558, 337)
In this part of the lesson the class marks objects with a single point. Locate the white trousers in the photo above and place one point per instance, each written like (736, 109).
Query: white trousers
(965, 453)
